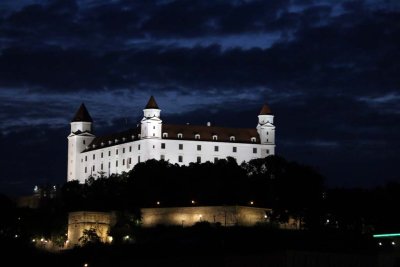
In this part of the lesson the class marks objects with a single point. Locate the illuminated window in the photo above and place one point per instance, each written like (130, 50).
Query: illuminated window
(180, 136)
(197, 136)
(165, 135)
(232, 138)
(215, 137)
(253, 139)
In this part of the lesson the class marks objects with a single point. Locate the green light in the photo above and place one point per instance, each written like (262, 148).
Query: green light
(386, 235)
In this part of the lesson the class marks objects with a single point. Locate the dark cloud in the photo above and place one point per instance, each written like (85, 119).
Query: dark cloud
(330, 71)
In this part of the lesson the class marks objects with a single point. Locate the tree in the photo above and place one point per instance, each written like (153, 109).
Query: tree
(89, 236)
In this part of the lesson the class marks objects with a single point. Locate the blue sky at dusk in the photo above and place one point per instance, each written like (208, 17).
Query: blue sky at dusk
(329, 70)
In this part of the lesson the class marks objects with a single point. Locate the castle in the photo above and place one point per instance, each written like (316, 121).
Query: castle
(181, 144)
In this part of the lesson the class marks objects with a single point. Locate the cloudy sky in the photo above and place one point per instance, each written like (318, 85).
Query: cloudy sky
(330, 71)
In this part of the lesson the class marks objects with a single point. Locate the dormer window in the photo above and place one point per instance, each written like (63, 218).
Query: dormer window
(133, 137)
(197, 137)
(214, 137)
(123, 139)
(165, 135)
(180, 136)
(253, 139)
(232, 138)
(116, 140)
(102, 143)
(110, 142)
(94, 146)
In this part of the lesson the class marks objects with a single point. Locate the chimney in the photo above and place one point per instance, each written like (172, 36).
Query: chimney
(208, 123)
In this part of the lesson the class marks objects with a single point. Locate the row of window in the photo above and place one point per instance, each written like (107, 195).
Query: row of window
(216, 148)
(214, 137)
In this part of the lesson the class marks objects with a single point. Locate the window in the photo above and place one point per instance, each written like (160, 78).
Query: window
(154, 134)
(93, 167)
(101, 166)
(123, 162)
(129, 160)
(85, 158)
(94, 156)
(162, 157)
(109, 165)
(84, 142)
(162, 145)
(180, 158)
(267, 140)
(116, 163)
(254, 150)
(116, 152)
(138, 147)
(216, 148)
(180, 136)
(253, 139)
(130, 149)
(267, 133)
(232, 138)
(198, 147)
(198, 159)
(154, 127)
(123, 150)
(215, 159)
(138, 159)
(85, 169)
(215, 137)
(267, 151)
(165, 135)
(234, 149)
(197, 137)
(109, 153)
(180, 146)
(101, 154)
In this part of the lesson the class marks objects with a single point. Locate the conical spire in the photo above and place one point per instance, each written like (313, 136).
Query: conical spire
(265, 110)
(82, 115)
(152, 104)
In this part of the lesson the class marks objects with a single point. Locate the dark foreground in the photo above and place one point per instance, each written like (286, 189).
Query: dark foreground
(205, 246)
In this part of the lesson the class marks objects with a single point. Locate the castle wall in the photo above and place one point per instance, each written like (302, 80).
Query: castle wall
(188, 216)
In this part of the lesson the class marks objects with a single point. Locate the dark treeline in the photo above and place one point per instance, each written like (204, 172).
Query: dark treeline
(286, 187)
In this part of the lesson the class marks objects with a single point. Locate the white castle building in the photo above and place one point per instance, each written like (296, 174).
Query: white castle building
(181, 144)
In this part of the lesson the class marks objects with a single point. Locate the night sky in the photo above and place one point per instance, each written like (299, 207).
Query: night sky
(329, 70)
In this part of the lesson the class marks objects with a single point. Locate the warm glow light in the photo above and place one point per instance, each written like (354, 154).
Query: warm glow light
(380, 243)
(193, 202)
(251, 202)
(16, 236)
(158, 202)
(33, 240)
(265, 216)
(85, 265)
(393, 243)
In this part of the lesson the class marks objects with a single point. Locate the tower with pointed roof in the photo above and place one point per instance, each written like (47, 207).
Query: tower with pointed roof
(266, 127)
(80, 137)
(151, 123)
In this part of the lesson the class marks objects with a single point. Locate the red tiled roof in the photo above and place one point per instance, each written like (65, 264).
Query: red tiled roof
(152, 104)
(82, 115)
(265, 110)
(241, 135)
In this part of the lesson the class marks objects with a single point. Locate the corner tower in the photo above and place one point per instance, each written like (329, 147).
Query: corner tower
(81, 136)
(151, 122)
(266, 127)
